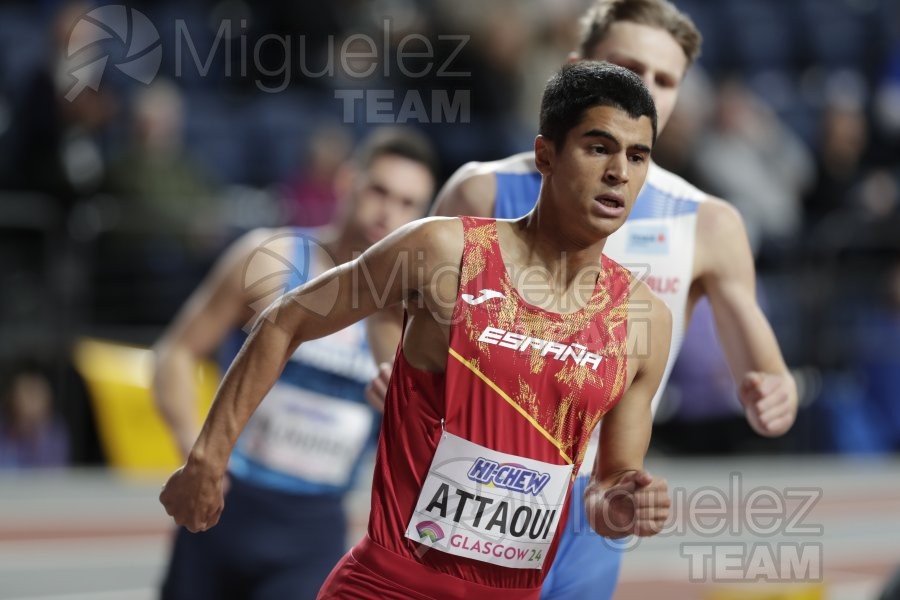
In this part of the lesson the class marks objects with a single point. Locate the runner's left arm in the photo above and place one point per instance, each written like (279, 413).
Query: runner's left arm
(622, 498)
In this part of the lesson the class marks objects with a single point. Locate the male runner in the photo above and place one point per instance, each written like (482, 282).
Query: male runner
(285, 528)
(683, 243)
(504, 370)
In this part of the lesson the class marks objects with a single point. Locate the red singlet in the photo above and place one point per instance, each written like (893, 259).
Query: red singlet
(520, 381)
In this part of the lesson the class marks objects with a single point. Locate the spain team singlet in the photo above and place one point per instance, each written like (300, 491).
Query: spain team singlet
(656, 242)
(474, 465)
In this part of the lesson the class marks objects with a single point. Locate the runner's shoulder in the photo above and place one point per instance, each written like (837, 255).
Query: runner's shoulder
(472, 189)
(719, 225)
(644, 300)
(674, 186)
(436, 238)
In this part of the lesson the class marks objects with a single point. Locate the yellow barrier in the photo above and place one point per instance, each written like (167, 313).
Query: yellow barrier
(118, 379)
(769, 591)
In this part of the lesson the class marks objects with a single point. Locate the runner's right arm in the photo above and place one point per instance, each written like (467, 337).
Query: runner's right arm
(334, 300)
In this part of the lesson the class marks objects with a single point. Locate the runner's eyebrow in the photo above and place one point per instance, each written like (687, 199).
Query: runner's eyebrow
(602, 133)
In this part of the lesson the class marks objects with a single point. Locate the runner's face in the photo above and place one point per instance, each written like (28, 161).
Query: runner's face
(653, 55)
(597, 173)
(392, 192)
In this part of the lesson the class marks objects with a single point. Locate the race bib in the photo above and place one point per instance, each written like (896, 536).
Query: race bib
(489, 506)
(311, 436)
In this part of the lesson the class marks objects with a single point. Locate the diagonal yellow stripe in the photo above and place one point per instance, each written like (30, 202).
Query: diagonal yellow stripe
(512, 403)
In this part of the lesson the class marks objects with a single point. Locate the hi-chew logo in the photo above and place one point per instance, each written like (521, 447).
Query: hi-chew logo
(648, 239)
(140, 58)
(508, 476)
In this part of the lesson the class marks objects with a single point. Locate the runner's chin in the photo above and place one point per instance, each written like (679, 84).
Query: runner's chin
(374, 235)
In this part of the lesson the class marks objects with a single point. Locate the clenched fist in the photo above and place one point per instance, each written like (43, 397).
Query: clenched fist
(194, 496)
(376, 390)
(770, 402)
(636, 504)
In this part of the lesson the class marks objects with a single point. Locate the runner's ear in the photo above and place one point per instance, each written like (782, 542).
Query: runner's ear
(544, 152)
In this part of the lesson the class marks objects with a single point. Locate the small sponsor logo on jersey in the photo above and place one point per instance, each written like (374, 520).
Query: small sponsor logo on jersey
(508, 476)
(484, 296)
(648, 239)
(523, 343)
(663, 285)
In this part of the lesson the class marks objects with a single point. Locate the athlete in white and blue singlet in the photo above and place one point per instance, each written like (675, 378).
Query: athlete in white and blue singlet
(683, 243)
(284, 527)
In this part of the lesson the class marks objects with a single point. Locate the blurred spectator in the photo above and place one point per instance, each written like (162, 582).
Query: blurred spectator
(879, 194)
(309, 197)
(502, 39)
(752, 160)
(31, 433)
(491, 46)
(843, 139)
(160, 187)
(847, 186)
(167, 223)
(57, 130)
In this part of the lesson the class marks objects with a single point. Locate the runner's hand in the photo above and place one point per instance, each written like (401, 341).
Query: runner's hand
(194, 497)
(377, 389)
(636, 504)
(770, 402)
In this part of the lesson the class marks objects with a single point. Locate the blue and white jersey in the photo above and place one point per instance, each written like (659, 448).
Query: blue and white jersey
(656, 243)
(310, 433)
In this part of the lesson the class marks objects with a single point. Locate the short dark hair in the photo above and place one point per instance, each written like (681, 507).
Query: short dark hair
(404, 142)
(653, 13)
(583, 85)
